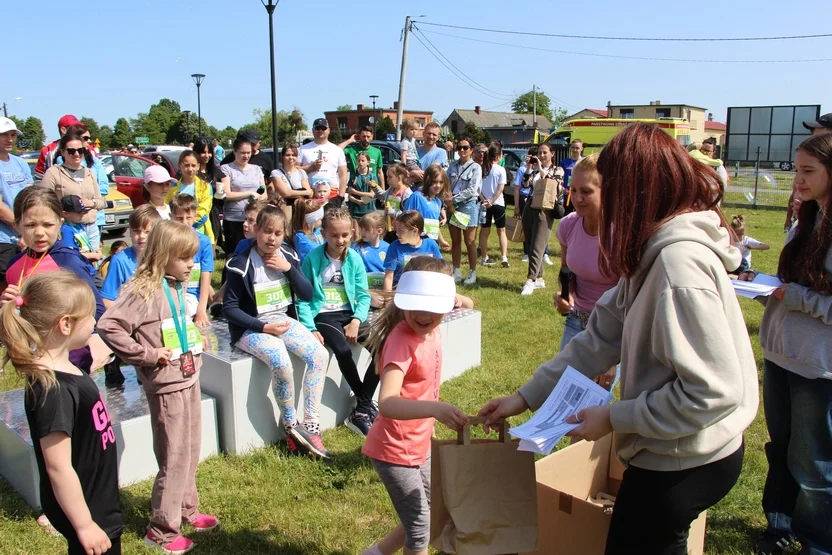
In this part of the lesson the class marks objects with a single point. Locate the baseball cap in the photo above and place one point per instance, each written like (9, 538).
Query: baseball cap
(72, 203)
(320, 122)
(7, 125)
(157, 174)
(68, 121)
(824, 121)
(251, 135)
(425, 291)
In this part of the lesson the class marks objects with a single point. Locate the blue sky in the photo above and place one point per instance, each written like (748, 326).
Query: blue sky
(117, 58)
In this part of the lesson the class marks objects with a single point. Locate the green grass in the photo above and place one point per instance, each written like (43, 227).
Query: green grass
(271, 503)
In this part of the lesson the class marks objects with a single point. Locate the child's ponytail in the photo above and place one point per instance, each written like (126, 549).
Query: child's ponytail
(28, 322)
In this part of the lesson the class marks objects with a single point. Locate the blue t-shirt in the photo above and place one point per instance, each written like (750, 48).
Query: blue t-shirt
(373, 257)
(205, 259)
(567, 164)
(243, 245)
(399, 254)
(14, 175)
(429, 209)
(436, 155)
(75, 237)
(304, 245)
(122, 267)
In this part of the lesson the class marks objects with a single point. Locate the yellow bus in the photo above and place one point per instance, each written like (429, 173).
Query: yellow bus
(595, 133)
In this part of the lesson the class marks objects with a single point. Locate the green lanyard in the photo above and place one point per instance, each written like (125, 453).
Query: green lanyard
(181, 326)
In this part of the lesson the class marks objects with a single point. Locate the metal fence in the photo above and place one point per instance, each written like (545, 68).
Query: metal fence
(763, 182)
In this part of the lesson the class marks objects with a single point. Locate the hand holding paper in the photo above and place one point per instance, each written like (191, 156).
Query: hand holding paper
(594, 423)
(762, 285)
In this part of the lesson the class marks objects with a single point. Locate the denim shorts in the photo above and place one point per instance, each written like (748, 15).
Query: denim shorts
(472, 208)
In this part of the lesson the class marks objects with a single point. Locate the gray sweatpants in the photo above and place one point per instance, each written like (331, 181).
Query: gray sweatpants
(409, 490)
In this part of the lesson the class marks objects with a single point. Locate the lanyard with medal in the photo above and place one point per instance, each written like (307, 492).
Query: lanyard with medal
(186, 359)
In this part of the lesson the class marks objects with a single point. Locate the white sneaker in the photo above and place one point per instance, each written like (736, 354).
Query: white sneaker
(525, 258)
(505, 262)
(457, 275)
(547, 260)
(471, 279)
(528, 288)
(539, 284)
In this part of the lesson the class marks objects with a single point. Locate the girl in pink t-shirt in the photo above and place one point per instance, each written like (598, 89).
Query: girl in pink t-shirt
(578, 237)
(407, 335)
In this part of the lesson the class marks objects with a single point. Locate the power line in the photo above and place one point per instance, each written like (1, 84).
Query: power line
(456, 68)
(642, 58)
(641, 39)
(453, 72)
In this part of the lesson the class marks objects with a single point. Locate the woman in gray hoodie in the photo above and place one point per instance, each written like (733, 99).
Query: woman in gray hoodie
(688, 376)
(796, 336)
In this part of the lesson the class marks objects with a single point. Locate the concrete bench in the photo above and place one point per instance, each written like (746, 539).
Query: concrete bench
(131, 424)
(247, 412)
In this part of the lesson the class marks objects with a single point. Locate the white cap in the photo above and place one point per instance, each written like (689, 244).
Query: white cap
(426, 291)
(7, 125)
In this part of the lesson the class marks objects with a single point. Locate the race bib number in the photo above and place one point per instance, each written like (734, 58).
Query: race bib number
(432, 228)
(193, 279)
(336, 297)
(272, 296)
(375, 280)
(171, 340)
(460, 219)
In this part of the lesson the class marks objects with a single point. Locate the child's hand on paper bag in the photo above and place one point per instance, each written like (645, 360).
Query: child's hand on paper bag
(501, 408)
(594, 423)
(450, 416)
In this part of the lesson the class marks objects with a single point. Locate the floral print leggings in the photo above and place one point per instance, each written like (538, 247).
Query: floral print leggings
(274, 351)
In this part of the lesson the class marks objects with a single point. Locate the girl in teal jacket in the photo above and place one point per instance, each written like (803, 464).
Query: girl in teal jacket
(340, 303)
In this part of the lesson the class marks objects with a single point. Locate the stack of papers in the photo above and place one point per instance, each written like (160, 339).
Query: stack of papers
(762, 286)
(573, 393)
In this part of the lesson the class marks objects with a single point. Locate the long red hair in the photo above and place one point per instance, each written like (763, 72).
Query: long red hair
(647, 178)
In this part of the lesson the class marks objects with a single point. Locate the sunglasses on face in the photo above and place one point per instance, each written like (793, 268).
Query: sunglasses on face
(320, 128)
(87, 138)
(463, 147)
(74, 151)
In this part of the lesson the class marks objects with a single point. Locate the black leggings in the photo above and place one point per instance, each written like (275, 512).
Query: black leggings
(233, 232)
(654, 510)
(331, 326)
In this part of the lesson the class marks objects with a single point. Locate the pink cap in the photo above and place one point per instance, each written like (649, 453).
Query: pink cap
(156, 174)
(68, 121)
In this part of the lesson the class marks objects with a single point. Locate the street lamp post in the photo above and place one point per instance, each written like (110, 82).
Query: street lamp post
(198, 79)
(375, 119)
(270, 9)
(187, 124)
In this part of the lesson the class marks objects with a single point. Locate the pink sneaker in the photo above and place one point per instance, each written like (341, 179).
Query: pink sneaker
(179, 545)
(203, 523)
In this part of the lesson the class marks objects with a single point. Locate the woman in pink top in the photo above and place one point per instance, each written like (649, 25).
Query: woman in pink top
(411, 369)
(579, 248)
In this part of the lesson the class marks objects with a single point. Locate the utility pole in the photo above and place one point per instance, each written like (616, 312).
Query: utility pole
(534, 101)
(400, 110)
(5, 110)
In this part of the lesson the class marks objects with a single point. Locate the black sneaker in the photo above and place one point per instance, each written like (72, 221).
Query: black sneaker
(359, 422)
(372, 409)
(113, 378)
(301, 442)
(774, 544)
(215, 310)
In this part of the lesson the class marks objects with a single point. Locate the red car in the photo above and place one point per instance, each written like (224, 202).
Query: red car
(128, 171)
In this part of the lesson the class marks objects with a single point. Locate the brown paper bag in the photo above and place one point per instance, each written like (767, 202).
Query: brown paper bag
(483, 495)
(545, 195)
(514, 229)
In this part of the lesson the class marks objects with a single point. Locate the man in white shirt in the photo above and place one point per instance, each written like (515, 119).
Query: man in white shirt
(324, 161)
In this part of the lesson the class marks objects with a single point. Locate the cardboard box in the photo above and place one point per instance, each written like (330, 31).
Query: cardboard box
(568, 523)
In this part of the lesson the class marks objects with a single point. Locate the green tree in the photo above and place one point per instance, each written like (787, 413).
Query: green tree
(122, 134)
(94, 129)
(558, 116)
(288, 125)
(159, 124)
(32, 135)
(384, 127)
(524, 104)
(106, 136)
(344, 108)
(225, 136)
(476, 134)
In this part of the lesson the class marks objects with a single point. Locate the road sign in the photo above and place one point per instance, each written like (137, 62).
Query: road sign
(391, 137)
(143, 140)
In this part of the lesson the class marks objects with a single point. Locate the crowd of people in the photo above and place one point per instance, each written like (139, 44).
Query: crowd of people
(331, 249)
